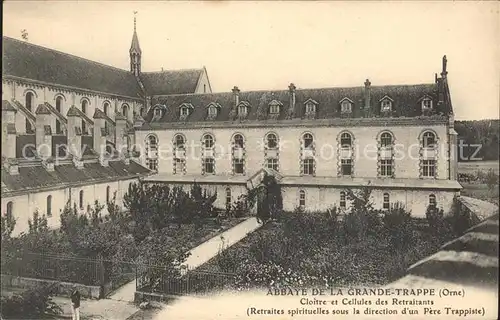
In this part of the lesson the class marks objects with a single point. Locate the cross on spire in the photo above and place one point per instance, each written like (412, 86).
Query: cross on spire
(135, 22)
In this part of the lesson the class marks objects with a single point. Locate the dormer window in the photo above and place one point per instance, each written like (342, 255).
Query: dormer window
(310, 108)
(274, 107)
(345, 105)
(184, 111)
(386, 105)
(242, 111)
(426, 104)
(212, 111)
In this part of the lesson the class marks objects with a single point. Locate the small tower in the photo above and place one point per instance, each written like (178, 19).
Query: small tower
(135, 51)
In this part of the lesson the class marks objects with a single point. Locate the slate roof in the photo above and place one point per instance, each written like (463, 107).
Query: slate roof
(26, 60)
(171, 81)
(406, 102)
(35, 177)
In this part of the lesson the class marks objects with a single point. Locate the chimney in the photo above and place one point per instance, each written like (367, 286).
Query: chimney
(9, 134)
(43, 132)
(100, 135)
(368, 95)
(74, 134)
(12, 166)
(291, 108)
(120, 127)
(236, 95)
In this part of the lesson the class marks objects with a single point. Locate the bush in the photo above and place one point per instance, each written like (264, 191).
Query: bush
(397, 221)
(33, 303)
(362, 219)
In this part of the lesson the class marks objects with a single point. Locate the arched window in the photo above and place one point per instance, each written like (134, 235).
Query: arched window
(29, 105)
(342, 200)
(302, 199)
(152, 142)
(386, 204)
(345, 140)
(212, 111)
(59, 102)
(10, 208)
(308, 167)
(272, 141)
(49, 206)
(30, 101)
(429, 140)
(84, 110)
(105, 108)
(125, 110)
(432, 201)
(81, 199)
(228, 199)
(108, 190)
(238, 141)
(109, 150)
(179, 141)
(308, 140)
(151, 149)
(208, 141)
(386, 139)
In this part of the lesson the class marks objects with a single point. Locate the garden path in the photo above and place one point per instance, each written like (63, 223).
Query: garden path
(200, 254)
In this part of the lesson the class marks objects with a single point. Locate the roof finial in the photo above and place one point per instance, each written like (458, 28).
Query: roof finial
(135, 20)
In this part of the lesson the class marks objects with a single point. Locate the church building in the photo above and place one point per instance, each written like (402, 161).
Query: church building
(78, 130)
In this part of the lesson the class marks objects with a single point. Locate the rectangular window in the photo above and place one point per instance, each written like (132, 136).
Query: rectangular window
(209, 165)
(152, 164)
(179, 166)
(302, 199)
(346, 167)
(429, 168)
(386, 168)
(238, 165)
(346, 107)
(310, 108)
(308, 167)
(386, 204)
(274, 109)
(342, 200)
(272, 163)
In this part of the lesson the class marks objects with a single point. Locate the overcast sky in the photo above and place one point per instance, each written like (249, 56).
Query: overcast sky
(267, 45)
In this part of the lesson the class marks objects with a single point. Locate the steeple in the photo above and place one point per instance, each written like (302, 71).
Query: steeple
(135, 51)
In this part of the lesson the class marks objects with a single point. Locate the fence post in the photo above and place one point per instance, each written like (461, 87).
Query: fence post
(101, 275)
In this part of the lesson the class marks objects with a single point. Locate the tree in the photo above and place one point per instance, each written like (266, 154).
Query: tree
(8, 225)
(268, 199)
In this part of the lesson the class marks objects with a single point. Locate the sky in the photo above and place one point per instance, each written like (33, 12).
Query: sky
(268, 45)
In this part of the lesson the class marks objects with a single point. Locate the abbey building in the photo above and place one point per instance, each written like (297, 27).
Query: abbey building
(77, 130)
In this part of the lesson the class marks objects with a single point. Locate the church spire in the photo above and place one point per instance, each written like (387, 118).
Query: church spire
(135, 51)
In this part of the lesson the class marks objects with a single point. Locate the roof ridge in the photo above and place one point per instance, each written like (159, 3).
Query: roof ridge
(298, 89)
(175, 70)
(65, 53)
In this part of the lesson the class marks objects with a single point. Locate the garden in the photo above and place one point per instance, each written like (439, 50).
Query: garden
(159, 226)
(334, 249)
